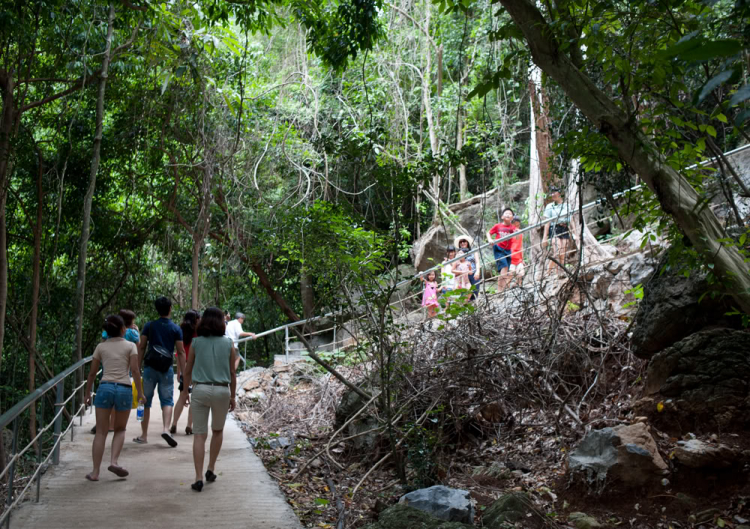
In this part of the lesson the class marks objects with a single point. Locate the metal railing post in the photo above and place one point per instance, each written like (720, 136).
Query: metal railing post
(72, 415)
(12, 471)
(58, 421)
(245, 355)
(286, 343)
(334, 336)
(39, 452)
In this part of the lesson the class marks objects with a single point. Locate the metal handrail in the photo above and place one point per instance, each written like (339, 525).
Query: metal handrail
(478, 249)
(7, 417)
(13, 416)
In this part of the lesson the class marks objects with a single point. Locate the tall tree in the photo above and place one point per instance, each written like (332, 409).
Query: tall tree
(562, 61)
(88, 199)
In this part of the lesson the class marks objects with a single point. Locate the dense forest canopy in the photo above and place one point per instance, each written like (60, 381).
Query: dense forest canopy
(257, 156)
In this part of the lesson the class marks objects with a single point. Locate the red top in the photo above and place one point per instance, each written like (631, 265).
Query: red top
(516, 249)
(501, 230)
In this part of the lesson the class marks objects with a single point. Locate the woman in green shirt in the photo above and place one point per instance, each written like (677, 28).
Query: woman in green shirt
(212, 373)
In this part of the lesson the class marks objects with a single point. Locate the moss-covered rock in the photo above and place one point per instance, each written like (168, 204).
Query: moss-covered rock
(402, 517)
(512, 508)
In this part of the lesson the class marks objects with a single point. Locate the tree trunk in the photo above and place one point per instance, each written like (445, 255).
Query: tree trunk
(675, 194)
(195, 268)
(6, 130)
(88, 199)
(592, 250)
(427, 99)
(35, 281)
(538, 162)
(463, 186)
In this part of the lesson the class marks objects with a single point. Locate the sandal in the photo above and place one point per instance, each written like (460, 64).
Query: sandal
(118, 471)
(140, 441)
(169, 439)
(188, 430)
(88, 477)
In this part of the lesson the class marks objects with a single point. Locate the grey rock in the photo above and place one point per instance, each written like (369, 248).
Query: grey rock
(674, 306)
(707, 378)
(601, 283)
(640, 268)
(445, 503)
(623, 455)
(698, 454)
(510, 509)
(583, 521)
(401, 516)
(279, 442)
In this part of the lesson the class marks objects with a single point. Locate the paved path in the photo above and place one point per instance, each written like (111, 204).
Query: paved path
(157, 492)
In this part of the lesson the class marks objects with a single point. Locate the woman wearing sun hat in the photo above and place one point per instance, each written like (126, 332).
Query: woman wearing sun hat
(463, 242)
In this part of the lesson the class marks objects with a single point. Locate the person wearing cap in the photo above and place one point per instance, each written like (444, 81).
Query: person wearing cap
(558, 213)
(234, 332)
(463, 242)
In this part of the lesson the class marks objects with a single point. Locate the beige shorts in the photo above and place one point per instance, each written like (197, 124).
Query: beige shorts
(207, 398)
(517, 268)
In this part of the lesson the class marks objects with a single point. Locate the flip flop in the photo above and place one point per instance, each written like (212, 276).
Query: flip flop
(169, 439)
(88, 477)
(140, 441)
(118, 471)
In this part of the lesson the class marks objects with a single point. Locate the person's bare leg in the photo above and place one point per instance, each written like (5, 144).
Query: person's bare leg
(502, 281)
(144, 424)
(199, 452)
(217, 438)
(178, 407)
(236, 363)
(100, 440)
(120, 424)
(166, 418)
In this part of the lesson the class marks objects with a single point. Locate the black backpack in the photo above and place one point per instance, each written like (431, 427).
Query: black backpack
(157, 357)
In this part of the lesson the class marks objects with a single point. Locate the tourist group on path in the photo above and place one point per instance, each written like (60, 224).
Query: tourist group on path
(207, 361)
(465, 275)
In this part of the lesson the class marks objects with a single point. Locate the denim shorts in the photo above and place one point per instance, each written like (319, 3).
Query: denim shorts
(111, 395)
(502, 257)
(165, 381)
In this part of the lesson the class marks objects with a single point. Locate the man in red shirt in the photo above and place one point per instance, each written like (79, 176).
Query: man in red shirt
(502, 250)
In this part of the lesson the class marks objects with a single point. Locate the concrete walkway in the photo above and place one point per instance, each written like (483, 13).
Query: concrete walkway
(157, 492)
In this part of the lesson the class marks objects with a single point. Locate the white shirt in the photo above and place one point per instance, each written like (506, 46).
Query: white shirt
(234, 329)
(559, 213)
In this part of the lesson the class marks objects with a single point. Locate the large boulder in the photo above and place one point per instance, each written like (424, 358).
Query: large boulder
(510, 509)
(622, 457)
(402, 516)
(674, 306)
(452, 505)
(429, 249)
(704, 380)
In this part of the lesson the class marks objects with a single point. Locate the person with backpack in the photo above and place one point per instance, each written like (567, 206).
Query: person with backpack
(159, 340)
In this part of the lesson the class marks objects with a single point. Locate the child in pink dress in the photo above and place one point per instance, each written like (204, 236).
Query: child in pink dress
(429, 298)
(462, 269)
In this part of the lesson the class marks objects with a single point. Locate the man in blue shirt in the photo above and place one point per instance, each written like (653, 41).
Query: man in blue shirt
(159, 340)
